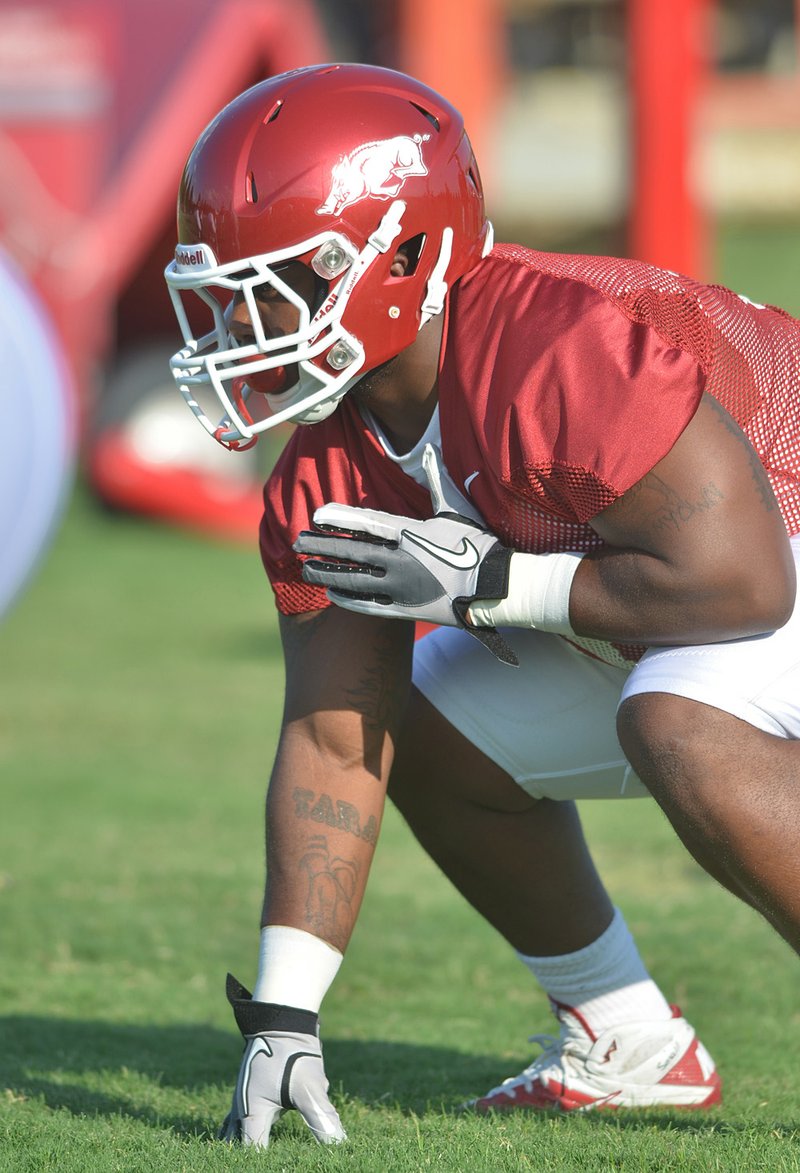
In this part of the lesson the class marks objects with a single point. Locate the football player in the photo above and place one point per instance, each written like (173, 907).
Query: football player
(585, 472)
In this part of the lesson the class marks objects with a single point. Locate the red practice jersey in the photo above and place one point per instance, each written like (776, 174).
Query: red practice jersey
(563, 381)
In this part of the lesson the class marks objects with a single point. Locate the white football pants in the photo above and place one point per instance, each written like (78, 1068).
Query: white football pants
(550, 723)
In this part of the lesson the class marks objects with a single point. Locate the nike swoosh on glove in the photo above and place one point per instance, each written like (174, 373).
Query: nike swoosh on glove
(281, 1068)
(400, 567)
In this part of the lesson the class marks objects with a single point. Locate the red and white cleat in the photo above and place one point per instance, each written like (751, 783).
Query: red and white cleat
(636, 1065)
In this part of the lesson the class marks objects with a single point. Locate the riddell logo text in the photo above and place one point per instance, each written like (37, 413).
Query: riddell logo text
(194, 256)
(327, 307)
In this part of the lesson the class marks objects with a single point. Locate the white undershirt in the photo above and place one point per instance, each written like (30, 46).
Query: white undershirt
(539, 585)
(410, 462)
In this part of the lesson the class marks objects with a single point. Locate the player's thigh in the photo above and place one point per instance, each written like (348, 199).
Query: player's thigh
(755, 680)
(435, 765)
(548, 725)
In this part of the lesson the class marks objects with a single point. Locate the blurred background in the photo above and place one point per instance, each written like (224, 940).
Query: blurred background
(663, 129)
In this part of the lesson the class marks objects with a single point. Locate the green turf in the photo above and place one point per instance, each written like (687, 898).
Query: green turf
(139, 703)
(140, 700)
(761, 261)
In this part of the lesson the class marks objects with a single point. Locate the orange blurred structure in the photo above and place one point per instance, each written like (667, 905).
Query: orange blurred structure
(669, 49)
(459, 50)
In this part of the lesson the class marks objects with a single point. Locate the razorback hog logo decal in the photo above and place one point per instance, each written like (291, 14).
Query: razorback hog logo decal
(377, 169)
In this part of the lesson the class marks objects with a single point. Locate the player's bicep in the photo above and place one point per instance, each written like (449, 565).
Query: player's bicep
(707, 513)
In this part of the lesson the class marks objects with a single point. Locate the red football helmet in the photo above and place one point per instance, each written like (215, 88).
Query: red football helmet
(334, 166)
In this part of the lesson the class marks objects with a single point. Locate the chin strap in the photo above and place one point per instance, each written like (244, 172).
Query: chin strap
(436, 291)
(233, 445)
(237, 444)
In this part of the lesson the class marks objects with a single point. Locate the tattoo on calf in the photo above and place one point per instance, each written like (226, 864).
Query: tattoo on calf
(332, 885)
(341, 816)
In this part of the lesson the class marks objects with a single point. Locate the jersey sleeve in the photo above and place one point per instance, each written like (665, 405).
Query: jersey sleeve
(603, 398)
(291, 494)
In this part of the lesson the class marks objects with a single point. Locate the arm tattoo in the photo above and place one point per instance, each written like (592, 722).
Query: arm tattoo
(757, 470)
(331, 886)
(674, 511)
(380, 696)
(341, 816)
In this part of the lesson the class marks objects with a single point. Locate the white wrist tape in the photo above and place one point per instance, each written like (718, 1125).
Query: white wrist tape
(295, 968)
(538, 594)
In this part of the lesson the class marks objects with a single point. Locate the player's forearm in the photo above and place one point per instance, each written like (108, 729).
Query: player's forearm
(633, 596)
(323, 817)
(628, 595)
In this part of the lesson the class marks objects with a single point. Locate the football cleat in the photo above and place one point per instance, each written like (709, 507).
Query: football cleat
(635, 1065)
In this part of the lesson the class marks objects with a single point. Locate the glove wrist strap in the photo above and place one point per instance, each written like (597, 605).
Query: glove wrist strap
(538, 594)
(256, 1018)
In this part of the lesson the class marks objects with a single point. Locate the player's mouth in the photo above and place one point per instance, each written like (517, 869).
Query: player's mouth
(274, 381)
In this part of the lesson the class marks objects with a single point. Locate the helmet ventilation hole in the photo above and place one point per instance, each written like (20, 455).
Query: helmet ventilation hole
(434, 121)
(412, 248)
(250, 189)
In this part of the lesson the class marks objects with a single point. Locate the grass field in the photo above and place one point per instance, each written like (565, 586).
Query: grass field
(139, 702)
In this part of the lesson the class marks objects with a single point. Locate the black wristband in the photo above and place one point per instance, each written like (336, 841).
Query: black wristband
(256, 1018)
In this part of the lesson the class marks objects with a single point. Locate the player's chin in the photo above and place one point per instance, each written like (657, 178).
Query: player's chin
(371, 381)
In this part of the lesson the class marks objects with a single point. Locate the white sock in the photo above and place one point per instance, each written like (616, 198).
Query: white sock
(607, 982)
(295, 968)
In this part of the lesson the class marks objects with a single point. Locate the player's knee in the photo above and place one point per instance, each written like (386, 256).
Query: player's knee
(660, 737)
(413, 763)
(437, 769)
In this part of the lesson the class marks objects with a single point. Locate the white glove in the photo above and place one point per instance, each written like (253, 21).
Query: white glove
(399, 567)
(281, 1068)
